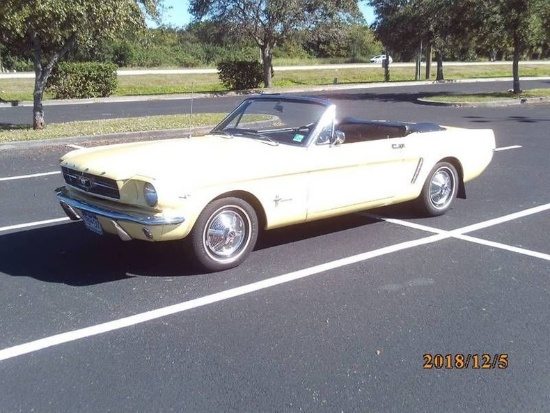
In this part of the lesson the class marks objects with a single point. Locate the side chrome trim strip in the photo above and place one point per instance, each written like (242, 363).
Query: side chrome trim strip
(67, 202)
(417, 171)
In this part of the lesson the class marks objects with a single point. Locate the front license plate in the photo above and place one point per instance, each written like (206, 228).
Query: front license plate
(91, 222)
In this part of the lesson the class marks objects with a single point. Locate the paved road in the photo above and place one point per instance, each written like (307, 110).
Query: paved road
(147, 106)
(346, 334)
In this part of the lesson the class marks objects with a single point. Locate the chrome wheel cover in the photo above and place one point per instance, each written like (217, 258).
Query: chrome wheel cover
(227, 233)
(442, 187)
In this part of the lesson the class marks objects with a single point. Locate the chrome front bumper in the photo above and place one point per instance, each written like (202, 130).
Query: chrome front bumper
(71, 205)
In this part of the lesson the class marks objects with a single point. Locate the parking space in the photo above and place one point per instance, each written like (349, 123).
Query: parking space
(332, 315)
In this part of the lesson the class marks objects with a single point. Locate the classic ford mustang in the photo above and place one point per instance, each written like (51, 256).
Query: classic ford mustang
(275, 160)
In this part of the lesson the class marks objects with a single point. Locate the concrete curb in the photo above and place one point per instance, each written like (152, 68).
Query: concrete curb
(493, 103)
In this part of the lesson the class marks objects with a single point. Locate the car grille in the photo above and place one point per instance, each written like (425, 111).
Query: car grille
(91, 183)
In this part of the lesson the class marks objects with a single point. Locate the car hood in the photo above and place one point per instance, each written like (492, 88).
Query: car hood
(206, 159)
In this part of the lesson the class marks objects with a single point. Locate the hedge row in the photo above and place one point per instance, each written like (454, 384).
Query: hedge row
(240, 74)
(83, 80)
(73, 80)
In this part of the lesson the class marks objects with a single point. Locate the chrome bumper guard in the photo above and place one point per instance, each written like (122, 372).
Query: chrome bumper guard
(69, 204)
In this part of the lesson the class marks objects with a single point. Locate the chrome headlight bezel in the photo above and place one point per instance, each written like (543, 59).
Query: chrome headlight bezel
(150, 195)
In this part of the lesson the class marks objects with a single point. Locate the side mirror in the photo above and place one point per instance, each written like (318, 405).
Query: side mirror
(338, 138)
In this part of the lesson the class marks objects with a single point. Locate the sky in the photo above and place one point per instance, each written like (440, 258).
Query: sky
(178, 16)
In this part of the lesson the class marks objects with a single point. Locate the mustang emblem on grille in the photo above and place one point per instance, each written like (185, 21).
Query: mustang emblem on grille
(85, 182)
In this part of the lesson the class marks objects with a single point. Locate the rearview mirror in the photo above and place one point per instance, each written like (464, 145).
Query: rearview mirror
(338, 138)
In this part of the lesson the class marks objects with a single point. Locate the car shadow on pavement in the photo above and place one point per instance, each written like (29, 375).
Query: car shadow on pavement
(69, 254)
(397, 211)
(294, 233)
(410, 97)
(518, 119)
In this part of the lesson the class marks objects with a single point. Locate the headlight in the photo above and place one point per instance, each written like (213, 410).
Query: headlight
(150, 195)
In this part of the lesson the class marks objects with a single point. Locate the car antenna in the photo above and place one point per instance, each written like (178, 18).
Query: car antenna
(191, 111)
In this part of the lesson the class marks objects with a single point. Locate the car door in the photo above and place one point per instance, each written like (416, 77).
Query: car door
(350, 176)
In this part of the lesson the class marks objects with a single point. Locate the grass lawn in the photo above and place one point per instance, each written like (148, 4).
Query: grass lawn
(10, 133)
(21, 89)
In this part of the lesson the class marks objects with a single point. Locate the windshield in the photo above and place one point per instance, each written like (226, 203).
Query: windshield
(274, 121)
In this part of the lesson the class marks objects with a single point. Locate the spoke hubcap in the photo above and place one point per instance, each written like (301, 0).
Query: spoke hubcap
(441, 188)
(226, 234)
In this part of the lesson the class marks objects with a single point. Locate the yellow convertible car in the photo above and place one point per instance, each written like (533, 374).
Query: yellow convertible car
(274, 161)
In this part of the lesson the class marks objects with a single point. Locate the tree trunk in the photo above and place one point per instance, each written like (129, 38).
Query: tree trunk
(428, 61)
(267, 60)
(38, 121)
(515, 66)
(387, 67)
(440, 76)
(418, 63)
(41, 74)
(40, 77)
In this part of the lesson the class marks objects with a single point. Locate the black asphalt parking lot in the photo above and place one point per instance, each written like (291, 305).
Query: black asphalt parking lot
(337, 315)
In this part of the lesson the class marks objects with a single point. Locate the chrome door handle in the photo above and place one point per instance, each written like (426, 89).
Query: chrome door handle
(397, 145)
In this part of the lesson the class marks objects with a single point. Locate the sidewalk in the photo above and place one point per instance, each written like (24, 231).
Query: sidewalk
(328, 66)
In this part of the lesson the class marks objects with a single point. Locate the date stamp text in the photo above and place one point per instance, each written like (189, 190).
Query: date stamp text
(460, 361)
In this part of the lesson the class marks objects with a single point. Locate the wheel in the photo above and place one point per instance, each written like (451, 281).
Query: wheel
(439, 190)
(224, 235)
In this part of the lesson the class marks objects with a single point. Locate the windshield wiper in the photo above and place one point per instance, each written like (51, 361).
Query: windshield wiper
(223, 133)
(253, 133)
(266, 139)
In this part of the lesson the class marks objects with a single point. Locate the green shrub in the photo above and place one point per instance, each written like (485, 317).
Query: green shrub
(122, 54)
(19, 64)
(83, 80)
(240, 74)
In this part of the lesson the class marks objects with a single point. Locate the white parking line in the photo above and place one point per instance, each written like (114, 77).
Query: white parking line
(459, 233)
(507, 148)
(500, 220)
(13, 178)
(34, 224)
(501, 246)
(463, 230)
(62, 338)
(73, 146)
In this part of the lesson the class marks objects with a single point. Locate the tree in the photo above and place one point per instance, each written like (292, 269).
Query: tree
(517, 23)
(464, 24)
(405, 25)
(269, 23)
(398, 26)
(50, 28)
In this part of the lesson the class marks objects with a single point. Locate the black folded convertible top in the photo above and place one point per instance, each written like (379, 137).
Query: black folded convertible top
(400, 128)
(361, 130)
